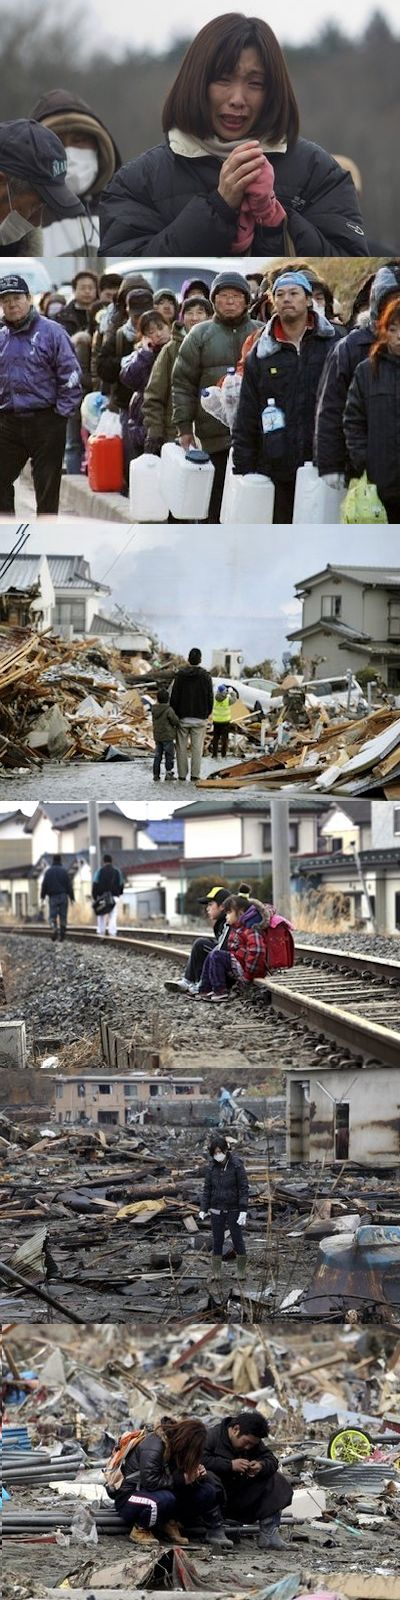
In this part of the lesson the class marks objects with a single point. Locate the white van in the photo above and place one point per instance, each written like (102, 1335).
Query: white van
(170, 272)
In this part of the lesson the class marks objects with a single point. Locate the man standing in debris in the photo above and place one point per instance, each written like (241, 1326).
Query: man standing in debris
(235, 1453)
(40, 387)
(225, 1199)
(57, 887)
(214, 902)
(192, 697)
(108, 885)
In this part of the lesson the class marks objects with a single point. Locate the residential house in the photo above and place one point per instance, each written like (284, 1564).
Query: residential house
(111, 1100)
(351, 619)
(27, 594)
(66, 596)
(347, 1113)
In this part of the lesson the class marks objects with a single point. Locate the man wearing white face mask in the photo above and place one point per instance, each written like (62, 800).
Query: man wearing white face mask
(92, 159)
(33, 187)
(225, 1199)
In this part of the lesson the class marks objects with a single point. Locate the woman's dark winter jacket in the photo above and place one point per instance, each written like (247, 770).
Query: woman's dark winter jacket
(165, 204)
(275, 368)
(165, 723)
(192, 694)
(269, 1492)
(146, 1468)
(372, 424)
(329, 442)
(226, 1187)
(109, 357)
(204, 357)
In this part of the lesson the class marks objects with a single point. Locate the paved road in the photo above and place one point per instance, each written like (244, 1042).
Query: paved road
(100, 780)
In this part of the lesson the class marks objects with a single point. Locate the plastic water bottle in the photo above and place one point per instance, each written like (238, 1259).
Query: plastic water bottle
(272, 417)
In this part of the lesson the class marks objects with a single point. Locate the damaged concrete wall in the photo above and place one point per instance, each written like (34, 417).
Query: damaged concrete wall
(373, 1095)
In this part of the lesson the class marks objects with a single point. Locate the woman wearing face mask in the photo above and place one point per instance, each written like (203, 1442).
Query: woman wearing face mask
(233, 176)
(92, 160)
(225, 1198)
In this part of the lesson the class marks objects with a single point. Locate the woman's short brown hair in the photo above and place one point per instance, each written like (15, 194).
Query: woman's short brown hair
(217, 49)
(389, 314)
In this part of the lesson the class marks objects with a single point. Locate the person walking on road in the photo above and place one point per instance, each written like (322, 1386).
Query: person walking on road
(225, 1200)
(255, 1489)
(274, 428)
(192, 698)
(108, 885)
(40, 387)
(58, 889)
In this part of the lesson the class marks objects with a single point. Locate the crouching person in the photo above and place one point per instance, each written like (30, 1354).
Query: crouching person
(159, 1484)
(236, 1454)
(245, 956)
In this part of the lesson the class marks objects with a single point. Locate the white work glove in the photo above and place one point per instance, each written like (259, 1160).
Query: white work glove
(202, 1216)
(242, 1219)
(333, 480)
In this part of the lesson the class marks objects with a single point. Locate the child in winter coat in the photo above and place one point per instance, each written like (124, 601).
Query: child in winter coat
(135, 371)
(245, 955)
(165, 723)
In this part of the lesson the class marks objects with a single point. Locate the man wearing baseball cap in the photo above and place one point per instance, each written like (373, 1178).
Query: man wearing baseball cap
(214, 902)
(274, 428)
(33, 190)
(40, 386)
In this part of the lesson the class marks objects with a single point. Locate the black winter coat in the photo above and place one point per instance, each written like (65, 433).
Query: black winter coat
(56, 881)
(330, 453)
(269, 1487)
(164, 204)
(109, 358)
(372, 424)
(192, 693)
(165, 722)
(108, 880)
(226, 1188)
(146, 1468)
(74, 318)
(276, 369)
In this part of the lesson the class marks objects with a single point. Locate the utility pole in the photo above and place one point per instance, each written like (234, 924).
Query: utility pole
(280, 856)
(94, 841)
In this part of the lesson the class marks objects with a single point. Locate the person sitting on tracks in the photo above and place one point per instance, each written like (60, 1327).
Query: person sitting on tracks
(244, 957)
(237, 1456)
(161, 1484)
(108, 885)
(214, 902)
(225, 1199)
(58, 888)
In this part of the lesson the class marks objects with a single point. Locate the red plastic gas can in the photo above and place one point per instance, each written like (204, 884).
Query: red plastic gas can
(105, 464)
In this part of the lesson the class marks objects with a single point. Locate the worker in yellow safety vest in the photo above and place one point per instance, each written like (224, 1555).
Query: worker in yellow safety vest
(221, 717)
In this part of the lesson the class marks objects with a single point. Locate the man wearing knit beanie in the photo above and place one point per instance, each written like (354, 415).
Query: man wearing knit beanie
(205, 356)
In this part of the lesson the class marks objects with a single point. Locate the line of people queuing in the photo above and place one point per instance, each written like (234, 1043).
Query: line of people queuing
(183, 1481)
(312, 386)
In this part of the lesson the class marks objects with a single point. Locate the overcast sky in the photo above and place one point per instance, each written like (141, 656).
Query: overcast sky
(154, 26)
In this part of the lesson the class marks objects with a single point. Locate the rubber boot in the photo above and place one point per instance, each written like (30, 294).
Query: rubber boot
(216, 1270)
(241, 1265)
(269, 1537)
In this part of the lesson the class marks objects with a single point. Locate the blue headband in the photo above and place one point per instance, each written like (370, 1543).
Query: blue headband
(287, 278)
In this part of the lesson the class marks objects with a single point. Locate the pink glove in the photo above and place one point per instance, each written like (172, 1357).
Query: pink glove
(259, 205)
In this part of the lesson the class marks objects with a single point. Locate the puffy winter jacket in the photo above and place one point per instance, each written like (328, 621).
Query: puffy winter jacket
(275, 368)
(248, 942)
(204, 357)
(115, 346)
(329, 442)
(165, 722)
(56, 881)
(157, 399)
(192, 693)
(219, 1452)
(226, 1187)
(145, 1468)
(75, 319)
(372, 424)
(134, 375)
(164, 204)
(107, 880)
(38, 368)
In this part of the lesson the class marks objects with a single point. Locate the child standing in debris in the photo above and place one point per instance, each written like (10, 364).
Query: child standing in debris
(165, 723)
(245, 956)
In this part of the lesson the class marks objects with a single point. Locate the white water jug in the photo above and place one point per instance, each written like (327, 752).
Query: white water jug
(187, 478)
(147, 502)
(314, 501)
(247, 497)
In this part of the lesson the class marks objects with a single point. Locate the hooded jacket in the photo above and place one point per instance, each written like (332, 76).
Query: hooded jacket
(56, 881)
(165, 722)
(275, 368)
(62, 109)
(192, 694)
(165, 204)
(330, 454)
(157, 398)
(204, 357)
(117, 343)
(371, 424)
(247, 941)
(38, 368)
(226, 1187)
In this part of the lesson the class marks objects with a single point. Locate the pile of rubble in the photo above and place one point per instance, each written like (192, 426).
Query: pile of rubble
(72, 700)
(331, 1398)
(333, 753)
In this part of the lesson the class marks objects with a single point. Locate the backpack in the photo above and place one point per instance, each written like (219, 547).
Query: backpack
(280, 943)
(113, 1471)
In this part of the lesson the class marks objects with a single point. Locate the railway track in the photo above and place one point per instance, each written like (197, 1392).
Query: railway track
(349, 997)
